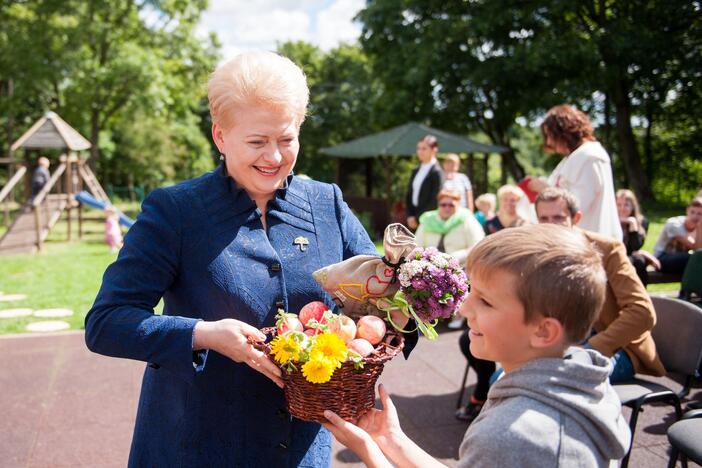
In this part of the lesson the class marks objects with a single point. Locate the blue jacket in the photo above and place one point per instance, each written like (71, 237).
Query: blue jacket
(200, 246)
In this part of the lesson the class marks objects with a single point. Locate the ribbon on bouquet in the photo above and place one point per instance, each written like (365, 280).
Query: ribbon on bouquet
(399, 303)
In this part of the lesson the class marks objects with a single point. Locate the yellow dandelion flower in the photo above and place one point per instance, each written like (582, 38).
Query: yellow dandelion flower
(285, 349)
(330, 346)
(318, 370)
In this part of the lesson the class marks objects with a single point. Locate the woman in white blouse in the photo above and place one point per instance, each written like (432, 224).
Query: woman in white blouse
(585, 169)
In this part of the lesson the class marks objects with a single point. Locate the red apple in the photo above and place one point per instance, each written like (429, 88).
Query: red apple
(289, 323)
(371, 328)
(361, 346)
(313, 310)
(343, 326)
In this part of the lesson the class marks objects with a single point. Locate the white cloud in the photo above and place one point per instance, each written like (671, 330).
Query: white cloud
(335, 23)
(245, 24)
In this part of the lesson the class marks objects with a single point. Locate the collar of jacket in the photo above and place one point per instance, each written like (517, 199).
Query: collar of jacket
(291, 205)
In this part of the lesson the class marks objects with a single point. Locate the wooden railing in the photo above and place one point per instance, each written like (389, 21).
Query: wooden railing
(7, 190)
(12, 182)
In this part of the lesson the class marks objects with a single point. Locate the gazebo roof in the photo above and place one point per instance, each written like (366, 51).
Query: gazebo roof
(50, 132)
(402, 141)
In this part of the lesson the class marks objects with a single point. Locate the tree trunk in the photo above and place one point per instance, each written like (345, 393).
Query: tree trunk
(10, 116)
(648, 154)
(627, 142)
(94, 137)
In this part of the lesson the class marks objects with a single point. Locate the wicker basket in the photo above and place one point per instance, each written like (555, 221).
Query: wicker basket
(349, 393)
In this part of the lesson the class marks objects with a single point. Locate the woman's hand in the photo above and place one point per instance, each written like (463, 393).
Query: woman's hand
(536, 184)
(632, 223)
(230, 338)
(412, 223)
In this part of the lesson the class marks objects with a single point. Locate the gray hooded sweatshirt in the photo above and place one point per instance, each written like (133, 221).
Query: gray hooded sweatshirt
(550, 413)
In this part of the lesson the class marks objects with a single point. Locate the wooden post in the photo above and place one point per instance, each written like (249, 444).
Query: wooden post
(67, 185)
(369, 177)
(80, 206)
(470, 169)
(37, 223)
(486, 180)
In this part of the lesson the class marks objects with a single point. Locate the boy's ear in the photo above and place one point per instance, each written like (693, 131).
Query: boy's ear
(549, 332)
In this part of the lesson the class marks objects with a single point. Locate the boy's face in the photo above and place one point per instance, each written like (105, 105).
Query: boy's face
(496, 320)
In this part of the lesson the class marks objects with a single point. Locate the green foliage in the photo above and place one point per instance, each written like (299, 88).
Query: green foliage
(121, 73)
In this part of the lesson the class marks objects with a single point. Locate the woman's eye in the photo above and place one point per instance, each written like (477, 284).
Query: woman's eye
(287, 141)
(257, 142)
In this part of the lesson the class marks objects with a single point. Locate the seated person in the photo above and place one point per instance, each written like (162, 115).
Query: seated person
(485, 205)
(634, 227)
(507, 214)
(678, 237)
(553, 406)
(622, 331)
(450, 228)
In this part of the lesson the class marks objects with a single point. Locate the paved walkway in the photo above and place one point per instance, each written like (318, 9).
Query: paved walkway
(63, 406)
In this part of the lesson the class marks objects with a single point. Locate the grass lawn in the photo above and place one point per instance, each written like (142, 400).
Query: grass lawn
(65, 275)
(68, 274)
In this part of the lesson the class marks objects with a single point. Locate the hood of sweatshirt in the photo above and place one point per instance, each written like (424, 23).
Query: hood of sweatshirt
(577, 386)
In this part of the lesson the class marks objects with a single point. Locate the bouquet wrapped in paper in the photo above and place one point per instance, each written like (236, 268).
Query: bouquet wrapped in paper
(409, 286)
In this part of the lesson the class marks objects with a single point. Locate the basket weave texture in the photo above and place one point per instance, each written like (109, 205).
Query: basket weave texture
(349, 393)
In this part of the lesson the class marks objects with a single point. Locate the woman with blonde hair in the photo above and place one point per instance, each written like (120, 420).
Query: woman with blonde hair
(634, 227)
(507, 213)
(225, 252)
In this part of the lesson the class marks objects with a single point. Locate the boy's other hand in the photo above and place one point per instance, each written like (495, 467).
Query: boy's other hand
(357, 440)
(383, 425)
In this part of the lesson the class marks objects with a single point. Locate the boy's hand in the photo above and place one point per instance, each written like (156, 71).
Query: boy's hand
(357, 440)
(383, 425)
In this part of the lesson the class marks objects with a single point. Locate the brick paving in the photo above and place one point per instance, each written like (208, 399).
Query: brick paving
(63, 406)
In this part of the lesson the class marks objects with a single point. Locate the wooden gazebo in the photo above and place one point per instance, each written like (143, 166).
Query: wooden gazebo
(31, 226)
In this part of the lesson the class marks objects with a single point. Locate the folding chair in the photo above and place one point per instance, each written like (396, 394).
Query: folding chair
(678, 337)
(691, 282)
(685, 437)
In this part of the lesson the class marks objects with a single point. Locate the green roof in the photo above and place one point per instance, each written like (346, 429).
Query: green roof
(402, 141)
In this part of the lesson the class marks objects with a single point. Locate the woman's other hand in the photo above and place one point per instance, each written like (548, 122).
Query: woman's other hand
(412, 223)
(230, 338)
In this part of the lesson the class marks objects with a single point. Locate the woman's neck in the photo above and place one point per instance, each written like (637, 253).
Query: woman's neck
(506, 219)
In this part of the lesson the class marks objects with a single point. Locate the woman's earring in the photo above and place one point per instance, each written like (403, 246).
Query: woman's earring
(221, 157)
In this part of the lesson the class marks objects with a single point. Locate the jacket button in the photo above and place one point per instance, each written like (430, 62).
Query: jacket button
(275, 267)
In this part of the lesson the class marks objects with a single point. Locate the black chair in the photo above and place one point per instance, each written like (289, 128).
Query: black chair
(685, 437)
(678, 337)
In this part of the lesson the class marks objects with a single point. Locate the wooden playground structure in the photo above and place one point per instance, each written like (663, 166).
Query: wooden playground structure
(36, 215)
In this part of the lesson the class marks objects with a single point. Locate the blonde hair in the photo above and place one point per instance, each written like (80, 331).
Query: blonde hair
(488, 199)
(447, 193)
(558, 273)
(509, 189)
(452, 157)
(257, 78)
(43, 161)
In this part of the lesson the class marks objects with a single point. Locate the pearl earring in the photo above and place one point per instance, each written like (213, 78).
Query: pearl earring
(221, 157)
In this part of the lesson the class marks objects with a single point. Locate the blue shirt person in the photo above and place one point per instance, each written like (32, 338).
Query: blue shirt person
(220, 251)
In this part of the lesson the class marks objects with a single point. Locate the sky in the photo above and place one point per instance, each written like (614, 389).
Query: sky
(260, 24)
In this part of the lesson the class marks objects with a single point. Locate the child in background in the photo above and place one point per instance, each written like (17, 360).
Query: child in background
(535, 290)
(485, 205)
(113, 233)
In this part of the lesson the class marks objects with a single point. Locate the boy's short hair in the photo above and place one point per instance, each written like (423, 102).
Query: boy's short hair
(550, 194)
(695, 203)
(558, 272)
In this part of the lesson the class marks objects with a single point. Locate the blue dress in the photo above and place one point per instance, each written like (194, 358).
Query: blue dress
(200, 246)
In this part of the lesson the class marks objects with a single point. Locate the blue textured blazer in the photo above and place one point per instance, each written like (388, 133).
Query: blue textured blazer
(200, 246)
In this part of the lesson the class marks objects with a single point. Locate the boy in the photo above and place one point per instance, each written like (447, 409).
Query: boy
(679, 236)
(535, 290)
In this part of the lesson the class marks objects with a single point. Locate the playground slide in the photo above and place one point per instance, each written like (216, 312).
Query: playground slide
(86, 199)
